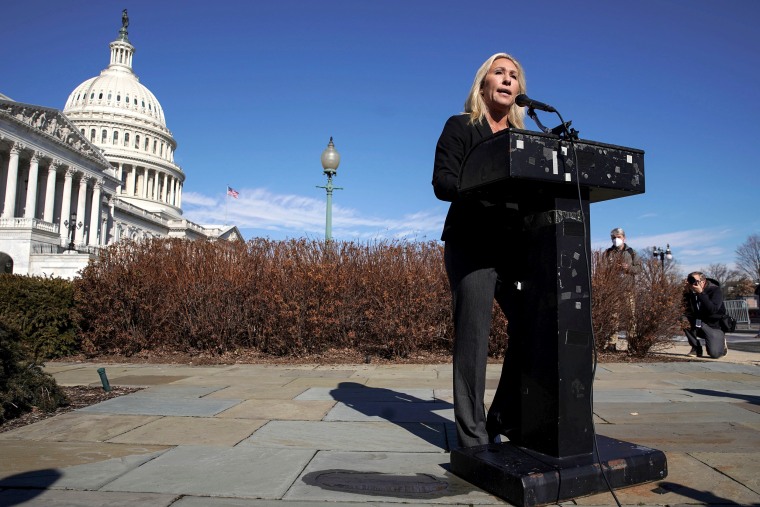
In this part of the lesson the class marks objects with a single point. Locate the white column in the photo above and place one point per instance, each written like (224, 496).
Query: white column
(179, 194)
(164, 193)
(144, 189)
(81, 209)
(66, 205)
(50, 192)
(31, 187)
(10, 187)
(95, 214)
(171, 189)
(131, 181)
(119, 176)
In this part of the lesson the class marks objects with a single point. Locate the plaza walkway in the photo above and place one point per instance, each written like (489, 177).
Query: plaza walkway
(359, 435)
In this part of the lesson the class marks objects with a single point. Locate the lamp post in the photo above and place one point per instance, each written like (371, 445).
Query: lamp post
(662, 254)
(72, 225)
(330, 162)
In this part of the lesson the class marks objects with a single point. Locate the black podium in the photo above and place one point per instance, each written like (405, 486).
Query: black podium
(554, 182)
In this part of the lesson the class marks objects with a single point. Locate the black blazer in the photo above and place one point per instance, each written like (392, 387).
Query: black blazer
(469, 220)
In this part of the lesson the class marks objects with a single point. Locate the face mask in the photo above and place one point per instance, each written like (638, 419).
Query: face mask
(617, 242)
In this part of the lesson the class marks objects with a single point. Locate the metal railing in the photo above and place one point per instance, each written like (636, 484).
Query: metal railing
(737, 308)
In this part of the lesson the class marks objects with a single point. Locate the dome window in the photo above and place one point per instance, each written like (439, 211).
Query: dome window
(143, 104)
(100, 96)
(92, 135)
(137, 142)
(126, 139)
(92, 95)
(135, 100)
(82, 131)
(109, 95)
(155, 145)
(104, 136)
(146, 143)
(115, 137)
(127, 99)
(149, 107)
(118, 97)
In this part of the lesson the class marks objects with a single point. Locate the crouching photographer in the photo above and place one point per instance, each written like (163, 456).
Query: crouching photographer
(704, 309)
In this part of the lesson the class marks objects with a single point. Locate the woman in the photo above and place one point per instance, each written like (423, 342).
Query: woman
(481, 244)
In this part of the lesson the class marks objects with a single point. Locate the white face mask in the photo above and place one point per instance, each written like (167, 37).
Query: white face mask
(617, 242)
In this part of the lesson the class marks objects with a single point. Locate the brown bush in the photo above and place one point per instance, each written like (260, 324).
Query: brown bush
(290, 297)
(647, 308)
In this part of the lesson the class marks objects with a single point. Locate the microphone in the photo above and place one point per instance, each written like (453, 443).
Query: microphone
(523, 100)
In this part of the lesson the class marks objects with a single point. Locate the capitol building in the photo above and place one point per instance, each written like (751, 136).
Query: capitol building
(100, 171)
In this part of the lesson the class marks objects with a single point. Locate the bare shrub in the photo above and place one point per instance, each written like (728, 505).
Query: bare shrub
(647, 308)
(289, 297)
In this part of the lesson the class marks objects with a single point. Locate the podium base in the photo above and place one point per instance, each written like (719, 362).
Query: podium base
(524, 477)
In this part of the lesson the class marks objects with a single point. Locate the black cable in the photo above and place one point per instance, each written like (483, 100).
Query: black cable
(586, 241)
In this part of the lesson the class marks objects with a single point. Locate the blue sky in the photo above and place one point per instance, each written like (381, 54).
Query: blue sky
(253, 90)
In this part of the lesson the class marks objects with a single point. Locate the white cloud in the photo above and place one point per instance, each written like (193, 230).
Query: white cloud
(260, 212)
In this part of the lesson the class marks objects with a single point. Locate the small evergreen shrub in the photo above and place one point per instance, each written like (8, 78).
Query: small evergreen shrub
(41, 311)
(23, 384)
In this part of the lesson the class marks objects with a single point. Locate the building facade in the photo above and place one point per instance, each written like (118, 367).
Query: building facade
(100, 171)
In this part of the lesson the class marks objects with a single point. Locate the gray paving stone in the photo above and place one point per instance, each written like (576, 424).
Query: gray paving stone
(367, 394)
(353, 436)
(179, 391)
(42, 498)
(384, 477)
(89, 476)
(669, 413)
(425, 412)
(240, 472)
(161, 405)
(195, 501)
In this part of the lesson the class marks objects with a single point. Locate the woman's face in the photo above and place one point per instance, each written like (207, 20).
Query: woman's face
(500, 86)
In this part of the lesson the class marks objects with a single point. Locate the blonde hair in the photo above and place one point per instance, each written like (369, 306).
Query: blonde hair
(475, 106)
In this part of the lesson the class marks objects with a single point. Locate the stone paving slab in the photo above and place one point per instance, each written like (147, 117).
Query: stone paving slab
(743, 467)
(42, 498)
(670, 413)
(307, 382)
(178, 391)
(279, 409)
(426, 412)
(88, 476)
(194, 501)
(20, 456)
(257, 392)
(689, 481)
(384, 477)
(143, 380)
(191, 431)
(354, 436)
(79, 427)
(161, 405)
(686, 437)
(240, 472)
(356, 392)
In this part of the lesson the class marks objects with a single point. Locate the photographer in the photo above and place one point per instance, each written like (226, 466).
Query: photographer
(704, 308)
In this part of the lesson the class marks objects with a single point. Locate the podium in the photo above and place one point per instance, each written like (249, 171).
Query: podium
(553, 181)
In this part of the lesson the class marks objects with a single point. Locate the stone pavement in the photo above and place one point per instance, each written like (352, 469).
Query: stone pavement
(351, 435)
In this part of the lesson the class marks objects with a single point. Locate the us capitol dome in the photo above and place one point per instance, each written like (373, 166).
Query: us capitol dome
(101, 171)
(122, 117)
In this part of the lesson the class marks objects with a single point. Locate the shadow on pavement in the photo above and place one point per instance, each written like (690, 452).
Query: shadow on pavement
(28, 486)
(416, 415)
(749, 398)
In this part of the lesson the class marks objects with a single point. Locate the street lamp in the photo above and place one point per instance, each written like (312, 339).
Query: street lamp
(662, 254)
(330, 162)
(72, 225)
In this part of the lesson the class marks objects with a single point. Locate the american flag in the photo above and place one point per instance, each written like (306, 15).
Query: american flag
(232, 192)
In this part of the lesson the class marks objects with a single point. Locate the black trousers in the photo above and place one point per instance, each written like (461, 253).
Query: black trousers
(715, 339)
(478, 274)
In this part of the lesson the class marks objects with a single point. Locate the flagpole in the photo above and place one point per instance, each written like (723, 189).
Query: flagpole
(226, 203)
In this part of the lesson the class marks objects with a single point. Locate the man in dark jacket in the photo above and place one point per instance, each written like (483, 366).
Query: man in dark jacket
(704, 307)
(629, 264)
